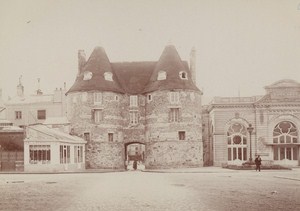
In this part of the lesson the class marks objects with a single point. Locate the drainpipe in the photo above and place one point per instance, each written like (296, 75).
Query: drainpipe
(255, 126)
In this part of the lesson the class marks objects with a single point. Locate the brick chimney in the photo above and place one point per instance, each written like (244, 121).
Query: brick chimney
(20, 88)
(81, 60)
(193, 65)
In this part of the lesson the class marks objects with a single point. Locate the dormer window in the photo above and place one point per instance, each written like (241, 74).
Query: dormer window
(183, 75)
(87, 75)
(162, 75)
(108, 76)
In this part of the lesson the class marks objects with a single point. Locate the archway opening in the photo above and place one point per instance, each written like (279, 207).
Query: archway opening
(134, 156)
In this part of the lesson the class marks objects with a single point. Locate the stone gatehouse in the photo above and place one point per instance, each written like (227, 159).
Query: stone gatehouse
(156, 104)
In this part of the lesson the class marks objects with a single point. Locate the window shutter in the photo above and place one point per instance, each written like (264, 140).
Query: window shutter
(93, 115)
(179, 115)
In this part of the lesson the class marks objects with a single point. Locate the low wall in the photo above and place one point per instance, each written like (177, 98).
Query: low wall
(173, 154)
(105, 155)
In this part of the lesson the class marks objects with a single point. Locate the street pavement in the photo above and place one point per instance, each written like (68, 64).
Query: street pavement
(207, 188)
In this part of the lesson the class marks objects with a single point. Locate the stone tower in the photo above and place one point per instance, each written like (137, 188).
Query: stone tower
(156, 104)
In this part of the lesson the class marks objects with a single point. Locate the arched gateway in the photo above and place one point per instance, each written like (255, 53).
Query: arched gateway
(117, 105)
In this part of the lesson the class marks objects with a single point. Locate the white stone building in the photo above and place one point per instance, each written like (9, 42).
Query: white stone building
(24, 110)
(49, 150)
(275, 118)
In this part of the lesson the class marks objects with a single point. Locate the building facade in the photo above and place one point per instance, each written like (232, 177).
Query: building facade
(50, 150)
(155, 104)
(274, 119)
(24, 110)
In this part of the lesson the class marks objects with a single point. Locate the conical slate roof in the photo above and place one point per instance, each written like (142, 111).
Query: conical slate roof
(96, 66)
(171, 63)
(134, 77)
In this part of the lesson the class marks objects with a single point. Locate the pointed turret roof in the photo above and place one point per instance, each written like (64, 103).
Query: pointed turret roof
(171, 63)
(96, 66)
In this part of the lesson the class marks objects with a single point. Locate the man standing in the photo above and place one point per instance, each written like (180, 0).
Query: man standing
(258, 162)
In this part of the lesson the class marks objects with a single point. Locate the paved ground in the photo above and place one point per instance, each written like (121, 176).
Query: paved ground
(187, 189)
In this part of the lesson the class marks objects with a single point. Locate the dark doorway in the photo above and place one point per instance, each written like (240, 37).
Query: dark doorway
(135, 156)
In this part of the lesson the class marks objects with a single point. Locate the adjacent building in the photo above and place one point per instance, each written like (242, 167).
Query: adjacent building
(24, 110)
(239, 128)
(50, 150)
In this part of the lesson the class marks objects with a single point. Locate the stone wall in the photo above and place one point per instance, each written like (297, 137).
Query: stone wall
(153, 126)
(105, 155)
(173, 154)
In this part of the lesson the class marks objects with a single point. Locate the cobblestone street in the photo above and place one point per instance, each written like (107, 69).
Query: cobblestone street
(206, 189)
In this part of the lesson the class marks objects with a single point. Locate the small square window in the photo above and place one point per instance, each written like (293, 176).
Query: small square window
(18, 114)
(41, 114)
(181, 135)
(110, 137)
(149, 98)
(87, 137)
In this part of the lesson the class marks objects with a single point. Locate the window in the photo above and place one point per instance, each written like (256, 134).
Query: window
(116, 98)
(86, 137)
(74, 99)
(87, 75)
(181, 135)
(64, 153)
(18, 114)
(41, 114)
(174, 115)
(284, 136)
(237, 142)
(133, 101)
(110, 137)
(97, 115)
(84, 97)
(149, 97)
(162, 75)
(134, 117)
(78, 154)
(108, 76)
(174, 97)
(98, 98)
(183, 75)
(39, 154)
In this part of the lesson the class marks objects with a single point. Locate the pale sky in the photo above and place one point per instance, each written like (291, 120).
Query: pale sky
(241, 45)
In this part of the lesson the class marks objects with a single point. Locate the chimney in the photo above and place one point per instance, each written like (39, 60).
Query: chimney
(20, 88)
(39, 91)
(193, 65)
(81, 60)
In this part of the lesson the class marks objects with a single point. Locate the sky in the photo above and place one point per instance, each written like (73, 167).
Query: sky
(242, 45)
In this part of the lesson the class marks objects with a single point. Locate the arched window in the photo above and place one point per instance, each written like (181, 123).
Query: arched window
(237, 142)
(285, 137)
(87, 75)
(183, 75)
(108, 76)
(162, 75)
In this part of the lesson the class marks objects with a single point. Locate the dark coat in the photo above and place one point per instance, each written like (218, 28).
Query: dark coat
(258, 161)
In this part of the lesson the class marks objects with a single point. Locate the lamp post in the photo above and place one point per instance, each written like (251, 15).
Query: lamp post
(250, 130)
